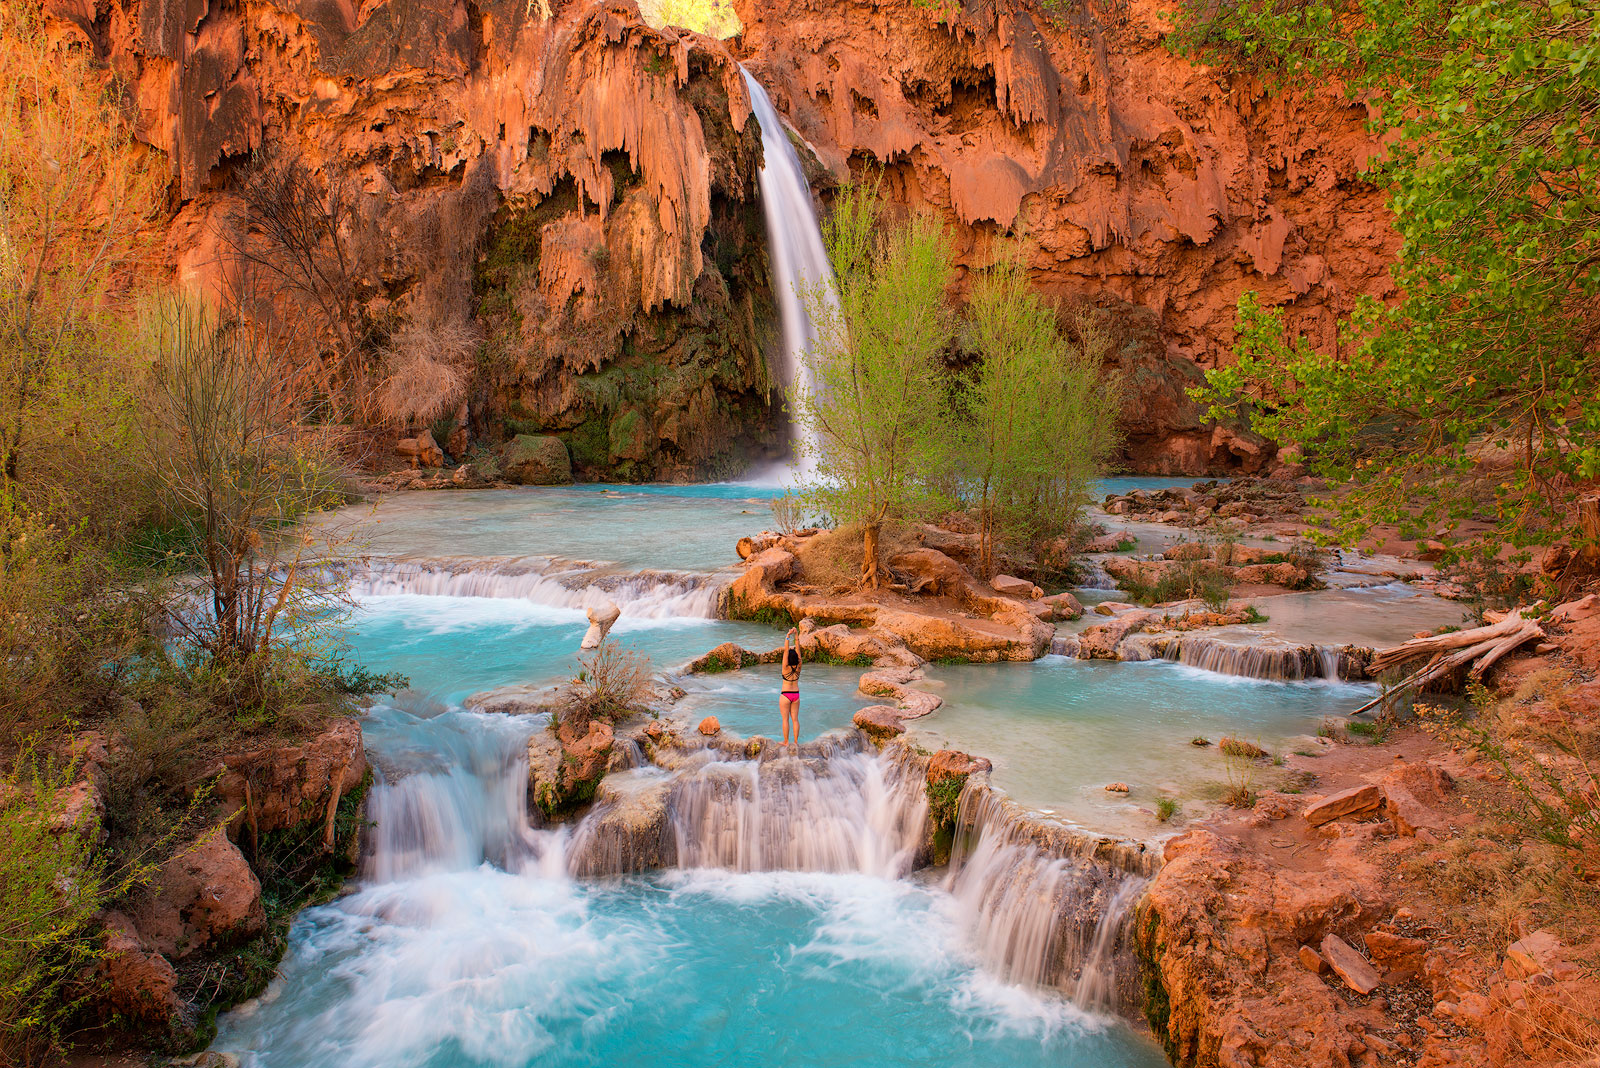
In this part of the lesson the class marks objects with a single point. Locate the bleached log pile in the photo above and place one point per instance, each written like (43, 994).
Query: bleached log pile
(1480, 647)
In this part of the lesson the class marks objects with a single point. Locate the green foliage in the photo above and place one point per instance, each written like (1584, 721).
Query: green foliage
(612, 681)
(1166, 808)
(1372, 732)
(1035, 422)
(1483, 382)
(67, 626)
(820, 655)
(768, 616)
(1199, 580)
(1252, 614)
(877, 400)
(944, 799)
(52, 888)
(896, 436)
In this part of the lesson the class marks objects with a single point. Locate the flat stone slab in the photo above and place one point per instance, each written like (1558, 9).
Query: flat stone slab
(880, 721)
(1349, 965)
(1356, 801)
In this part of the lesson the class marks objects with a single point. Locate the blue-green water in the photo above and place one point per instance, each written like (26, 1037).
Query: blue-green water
(465, 943)
(488, 967)
(1058, 730)
(452, 647)
(746, 702)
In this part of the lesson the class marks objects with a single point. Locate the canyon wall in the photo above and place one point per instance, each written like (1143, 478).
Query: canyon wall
(575, 193)
(1154, 188)
(569, 189)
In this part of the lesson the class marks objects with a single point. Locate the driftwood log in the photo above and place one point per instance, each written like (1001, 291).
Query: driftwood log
(1480, 647)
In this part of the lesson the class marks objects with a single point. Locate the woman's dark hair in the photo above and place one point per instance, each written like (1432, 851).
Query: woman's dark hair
(791, 658)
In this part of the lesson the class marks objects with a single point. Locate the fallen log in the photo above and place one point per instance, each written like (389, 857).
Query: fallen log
(1480, 647)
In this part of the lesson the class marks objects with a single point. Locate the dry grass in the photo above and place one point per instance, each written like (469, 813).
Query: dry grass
(831, 560)
(612, 681)
(1239, 747)
(428, 367)
(787, 512)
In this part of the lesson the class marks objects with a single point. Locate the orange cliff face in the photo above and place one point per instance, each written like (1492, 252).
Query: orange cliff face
(583, 188)
(1158, 189)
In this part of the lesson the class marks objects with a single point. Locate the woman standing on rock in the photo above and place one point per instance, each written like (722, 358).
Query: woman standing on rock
(789, 696)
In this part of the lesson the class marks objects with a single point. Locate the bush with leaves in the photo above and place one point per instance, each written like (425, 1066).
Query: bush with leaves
(53, 885)
(876, 403)
(1035, 418)
(1476, 393)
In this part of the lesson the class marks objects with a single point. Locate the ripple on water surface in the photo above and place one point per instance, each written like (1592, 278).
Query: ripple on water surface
(697, 969)
(1058, 730)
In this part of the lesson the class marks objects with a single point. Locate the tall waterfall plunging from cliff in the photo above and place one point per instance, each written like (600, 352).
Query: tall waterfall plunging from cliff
(801, 274)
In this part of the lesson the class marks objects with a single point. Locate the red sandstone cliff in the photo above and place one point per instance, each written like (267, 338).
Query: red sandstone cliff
(578, 188)
(1141, 181)
(576, 192)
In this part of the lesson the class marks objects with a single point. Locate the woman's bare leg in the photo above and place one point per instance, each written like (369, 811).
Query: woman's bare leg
(785, 709)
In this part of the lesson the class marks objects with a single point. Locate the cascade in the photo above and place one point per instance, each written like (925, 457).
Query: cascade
(543, 581)
(1255, 659)
(800, 268)
(1042, 911)
(833, 808)
(456, 810)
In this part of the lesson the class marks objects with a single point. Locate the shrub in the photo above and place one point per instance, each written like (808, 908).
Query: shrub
(427, 365)
(787, 512)
(52, 886)
(1238, 747)
(944, 799)
(1166, 808)
(612, 681)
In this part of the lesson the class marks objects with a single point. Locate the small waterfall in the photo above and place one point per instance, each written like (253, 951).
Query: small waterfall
(469, 807)
(800, 268)
(1046, 908)
(1265, 658)
(841, 811)
(640, 594)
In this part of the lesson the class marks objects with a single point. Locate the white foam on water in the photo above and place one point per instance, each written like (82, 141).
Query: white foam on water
(541, 584)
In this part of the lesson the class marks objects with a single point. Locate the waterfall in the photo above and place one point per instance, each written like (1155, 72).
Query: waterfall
(1042, 912)
(831, 809)
(468, 806)
(800, 268)
(1254, 659)
(555, 584)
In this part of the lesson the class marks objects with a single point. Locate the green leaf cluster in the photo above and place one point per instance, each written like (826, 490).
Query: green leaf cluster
(916, 405)
(1478, 392)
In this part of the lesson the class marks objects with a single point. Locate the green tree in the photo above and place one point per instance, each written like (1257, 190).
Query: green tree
(873, 405)
(1035, 421)
(74, 196)
(1482, 384)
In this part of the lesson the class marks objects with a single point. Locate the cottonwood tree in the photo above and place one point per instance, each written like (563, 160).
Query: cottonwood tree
(1035, 418)
(875, 403)
(1476, 394)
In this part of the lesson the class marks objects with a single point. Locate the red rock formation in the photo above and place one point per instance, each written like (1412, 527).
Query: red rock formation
(584, 187)
(579, 183)
(1156, 188)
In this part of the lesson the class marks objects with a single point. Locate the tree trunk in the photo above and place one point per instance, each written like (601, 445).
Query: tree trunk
(869, 555)
(1589, 532)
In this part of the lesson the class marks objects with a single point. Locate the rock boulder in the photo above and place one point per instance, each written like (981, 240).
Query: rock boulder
(536, 460)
